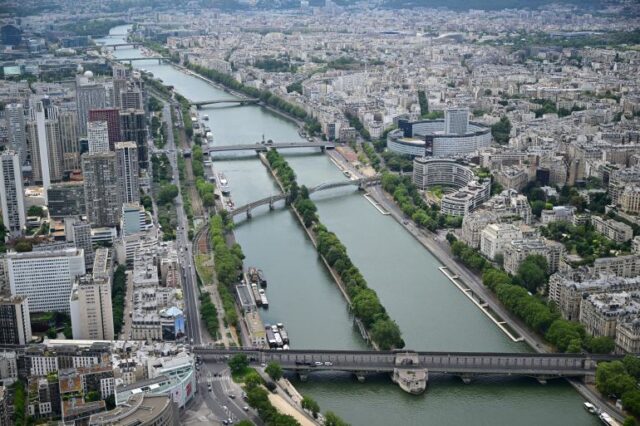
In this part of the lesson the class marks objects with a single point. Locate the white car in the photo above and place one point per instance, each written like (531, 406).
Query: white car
(318, 363)
(328, 364)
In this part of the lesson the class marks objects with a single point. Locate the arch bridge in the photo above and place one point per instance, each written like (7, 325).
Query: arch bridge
(361, 183)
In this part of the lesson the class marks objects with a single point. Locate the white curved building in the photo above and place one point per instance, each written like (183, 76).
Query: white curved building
(453, 136)
(470, 193)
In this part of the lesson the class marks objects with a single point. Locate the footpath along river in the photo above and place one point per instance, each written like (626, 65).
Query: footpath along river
(431, 311)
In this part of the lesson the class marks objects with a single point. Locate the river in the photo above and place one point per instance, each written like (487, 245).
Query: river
(431, 312)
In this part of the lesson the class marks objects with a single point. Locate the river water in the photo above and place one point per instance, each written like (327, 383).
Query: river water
(431, 312)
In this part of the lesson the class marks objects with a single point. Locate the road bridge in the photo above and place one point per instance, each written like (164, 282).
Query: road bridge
(415, 366)
(272, 199)
(116, 45)
(160, 59)
(241, 101)
(263, 147)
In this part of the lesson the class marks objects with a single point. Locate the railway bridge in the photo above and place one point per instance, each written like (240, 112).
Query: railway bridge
(241, 101)
(410, 369)
(264, 147)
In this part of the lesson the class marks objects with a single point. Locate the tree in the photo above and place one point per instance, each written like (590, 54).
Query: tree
(501, 130)
(632, 365)
(629, 421)
(274, 370)
(36, 211)
(311, 405)
(612, 379)
(238, 363)
(424, 103)
(532, 273)
(631, 401)
(332, 419)
(23, 246)
(167, 193)
(366, 306)
(386, 333)
(601, 345)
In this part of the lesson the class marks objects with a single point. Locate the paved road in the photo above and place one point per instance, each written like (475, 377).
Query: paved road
(216, 376)
(185, 255)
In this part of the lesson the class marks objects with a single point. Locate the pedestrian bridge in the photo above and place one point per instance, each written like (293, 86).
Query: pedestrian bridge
(260, 147)
(272, 199)
(417, 365)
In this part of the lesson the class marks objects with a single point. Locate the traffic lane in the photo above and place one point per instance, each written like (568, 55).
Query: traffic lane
(222, 387)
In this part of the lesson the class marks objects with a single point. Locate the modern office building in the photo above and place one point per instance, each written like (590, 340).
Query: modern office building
(66, 199)
(91, 309)
(112, 117)
(68, 125)
(456, 121)
(98, 136)
(16, 130)
(15, 321)
(429, 172)
(141, 409)
(134, 128)
(82, 239)
(127, 169)
(12, 193)
(43, 134)
(134, 219)
(101, 195)
(45, 277)
(89, 95)
(453, 136)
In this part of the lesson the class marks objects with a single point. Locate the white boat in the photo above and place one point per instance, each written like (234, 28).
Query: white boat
(590, 408)
(263, 298)
(223, 183)
(205, 117)
(604, 417)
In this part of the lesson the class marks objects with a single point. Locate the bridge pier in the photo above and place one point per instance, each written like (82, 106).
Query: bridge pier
(361, 377)
(271, 204)
(303, 376)
(248, 214)
(408, 375)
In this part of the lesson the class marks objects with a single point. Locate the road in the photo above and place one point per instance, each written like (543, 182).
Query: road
(217, 377)
(185, 254)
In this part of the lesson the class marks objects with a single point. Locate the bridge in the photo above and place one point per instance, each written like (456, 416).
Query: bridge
(271, 200)
(241, 101)
(160, 59)
(260, 147)
(116, 45)
(410, 369)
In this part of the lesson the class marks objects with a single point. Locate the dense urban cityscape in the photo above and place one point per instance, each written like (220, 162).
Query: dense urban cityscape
(320, 212)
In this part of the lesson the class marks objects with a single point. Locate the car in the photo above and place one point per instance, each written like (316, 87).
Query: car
(225, 422)
(318, 363)
(245, 408)
(263, 365)
(210, 388)
(232, 396)
(405, 222)
(328, 364)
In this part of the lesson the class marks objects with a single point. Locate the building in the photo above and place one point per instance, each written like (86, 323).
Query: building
(98, 136)
(558, 213)
(456, 121)
(614, 230)
(140, 409)
(45, 277)
(495, 237)
(133, 124)
(68, 126)
(601, 312)
(89, 95)
(91, 310)
(512, 177)
(432, 137)
(474, 223)
(128, 173)
(510, 205)
(15, 321)
(8, 367)
(16, 130)
(621, 266)
(66, 199)
(101, 195)
(628, 336)
(112, 117)
(12, 193)
(82, 239)
(429, 172)
(43, 134)
(567, 292)
(134, 219)
(516, 251)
